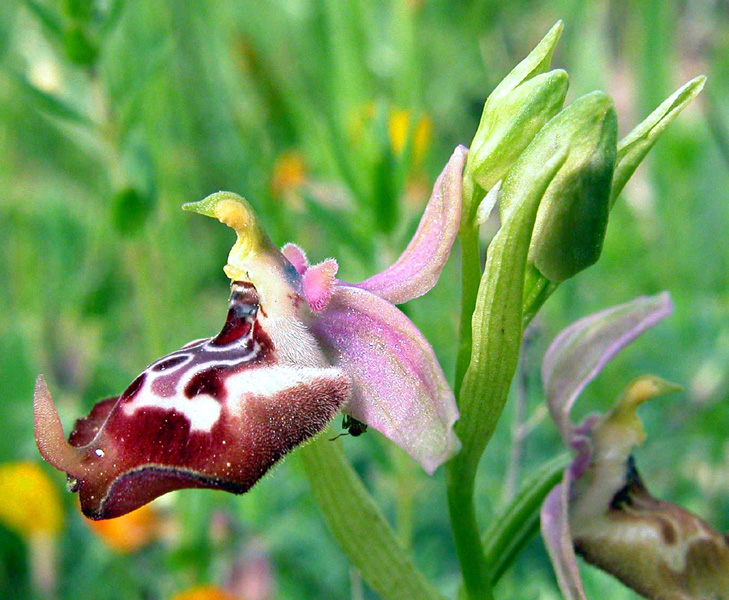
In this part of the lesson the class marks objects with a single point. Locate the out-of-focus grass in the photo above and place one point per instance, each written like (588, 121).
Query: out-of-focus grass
(101, 272)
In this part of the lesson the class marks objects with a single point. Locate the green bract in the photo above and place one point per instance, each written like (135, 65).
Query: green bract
(633, 148)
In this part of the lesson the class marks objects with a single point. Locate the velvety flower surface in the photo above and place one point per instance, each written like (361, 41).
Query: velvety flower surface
(602, 509)
(297, 346)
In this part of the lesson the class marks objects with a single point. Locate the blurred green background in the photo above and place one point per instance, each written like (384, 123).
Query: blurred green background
(333, 118)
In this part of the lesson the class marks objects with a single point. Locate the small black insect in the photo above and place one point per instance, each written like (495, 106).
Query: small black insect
(354, 427)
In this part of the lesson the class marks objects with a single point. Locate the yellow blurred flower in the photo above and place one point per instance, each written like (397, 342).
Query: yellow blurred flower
(289, 173)
(204, 592)
(29, 501)
(400, 129)
(422, 136)
(129, 532)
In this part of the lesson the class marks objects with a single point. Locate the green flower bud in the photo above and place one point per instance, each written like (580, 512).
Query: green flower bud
(513, 114)
(572, 219)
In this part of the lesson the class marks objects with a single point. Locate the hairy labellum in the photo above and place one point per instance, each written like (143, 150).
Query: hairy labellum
(297, 346)
(216, 414)
(659, 549)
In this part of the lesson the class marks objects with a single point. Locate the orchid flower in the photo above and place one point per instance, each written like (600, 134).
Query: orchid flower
(297, 346)
(602, 509)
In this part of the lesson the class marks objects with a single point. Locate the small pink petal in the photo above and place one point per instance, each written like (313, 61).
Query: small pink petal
(398, 386)
(419, 266)
(580, 352)
(318, 283)
(296, 256)
(558, 540)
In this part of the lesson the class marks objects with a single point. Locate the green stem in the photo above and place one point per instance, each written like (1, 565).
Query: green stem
(464, 523)
(405, 489)
(464, 526)
(358, 525)
(470, 276)
(514, 528)
(497, 330)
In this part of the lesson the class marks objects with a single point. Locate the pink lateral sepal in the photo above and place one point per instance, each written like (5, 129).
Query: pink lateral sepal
(398, 387)
(417, 269)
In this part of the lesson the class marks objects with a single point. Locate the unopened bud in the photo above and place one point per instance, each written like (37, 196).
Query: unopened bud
(515, 111)
(572, 219)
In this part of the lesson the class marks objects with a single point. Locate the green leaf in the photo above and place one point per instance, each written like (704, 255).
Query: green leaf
(511, 530)
(358, 525)
(50, 104)
(633, 148)
(48, 19)
(497, 327)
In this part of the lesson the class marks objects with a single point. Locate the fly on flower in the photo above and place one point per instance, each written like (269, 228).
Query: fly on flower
(297, 346)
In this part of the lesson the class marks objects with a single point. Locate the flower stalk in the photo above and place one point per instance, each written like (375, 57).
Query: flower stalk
(497, 329)
(359, 527)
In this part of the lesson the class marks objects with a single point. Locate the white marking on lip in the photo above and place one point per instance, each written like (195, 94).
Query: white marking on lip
(269, 381)
(202, 411)
(167, 370)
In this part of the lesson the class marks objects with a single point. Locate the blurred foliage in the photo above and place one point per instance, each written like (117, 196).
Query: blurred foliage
(333, 117)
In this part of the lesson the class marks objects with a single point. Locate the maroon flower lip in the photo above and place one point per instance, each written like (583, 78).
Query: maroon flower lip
(191, 421)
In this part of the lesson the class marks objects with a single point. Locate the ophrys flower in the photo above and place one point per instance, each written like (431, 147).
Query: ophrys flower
(297, 346)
